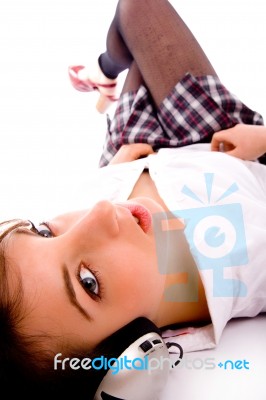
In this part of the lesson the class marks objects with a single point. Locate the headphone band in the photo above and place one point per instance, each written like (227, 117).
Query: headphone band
(115, 344)
(123, 337)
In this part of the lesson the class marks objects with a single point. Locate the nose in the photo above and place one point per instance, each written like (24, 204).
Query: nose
(100, 221)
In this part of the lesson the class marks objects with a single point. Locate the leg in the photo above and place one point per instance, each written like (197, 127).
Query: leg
(133, 79)
(151, 33)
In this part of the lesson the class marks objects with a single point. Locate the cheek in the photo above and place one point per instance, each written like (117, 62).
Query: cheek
(132, 282)
(139, 286)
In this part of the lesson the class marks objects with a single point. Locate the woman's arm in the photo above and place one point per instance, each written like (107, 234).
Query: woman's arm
(247, 142)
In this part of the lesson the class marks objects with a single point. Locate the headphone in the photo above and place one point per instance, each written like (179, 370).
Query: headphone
(138, 365)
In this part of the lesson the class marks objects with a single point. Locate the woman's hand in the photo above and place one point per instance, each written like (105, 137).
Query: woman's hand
(247, 142)
(131, 152)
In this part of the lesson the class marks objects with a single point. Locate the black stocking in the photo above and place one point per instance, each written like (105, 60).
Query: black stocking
(150, 38)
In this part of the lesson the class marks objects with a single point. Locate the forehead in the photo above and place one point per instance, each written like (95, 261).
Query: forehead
(10, 278)
(7, 236)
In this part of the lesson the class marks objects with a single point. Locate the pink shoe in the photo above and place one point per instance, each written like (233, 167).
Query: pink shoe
(106, 87)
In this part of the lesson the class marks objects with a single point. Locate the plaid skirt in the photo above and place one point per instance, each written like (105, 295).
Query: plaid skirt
(195, 109)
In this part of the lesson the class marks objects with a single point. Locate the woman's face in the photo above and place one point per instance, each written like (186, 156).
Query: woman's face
(96, 273)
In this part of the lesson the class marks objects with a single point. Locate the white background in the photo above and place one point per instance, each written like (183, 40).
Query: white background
(50, 135)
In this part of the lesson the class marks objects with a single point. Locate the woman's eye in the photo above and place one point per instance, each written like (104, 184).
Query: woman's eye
(89, 281)
(42, 230)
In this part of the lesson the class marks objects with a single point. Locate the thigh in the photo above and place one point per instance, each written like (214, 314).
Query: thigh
(133, 79)
(161, 44)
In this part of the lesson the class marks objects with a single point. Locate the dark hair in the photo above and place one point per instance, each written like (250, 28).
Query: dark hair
(26, 364)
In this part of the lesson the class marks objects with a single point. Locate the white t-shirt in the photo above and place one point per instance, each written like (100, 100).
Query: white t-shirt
(222, 201)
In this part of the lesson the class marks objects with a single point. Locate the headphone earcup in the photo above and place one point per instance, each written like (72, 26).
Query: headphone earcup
(139, 363)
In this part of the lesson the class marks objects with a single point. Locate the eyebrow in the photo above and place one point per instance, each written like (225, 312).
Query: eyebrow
(71, 294)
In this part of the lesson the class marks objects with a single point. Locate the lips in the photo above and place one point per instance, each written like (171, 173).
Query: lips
(141, 215)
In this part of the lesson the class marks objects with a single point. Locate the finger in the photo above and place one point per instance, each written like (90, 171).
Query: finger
(143, 149)
(217, 140)
(220, 138)
(215, 144)
(226, 146)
